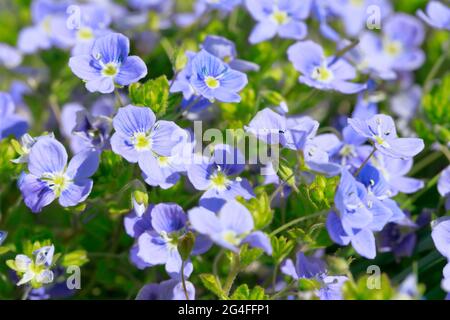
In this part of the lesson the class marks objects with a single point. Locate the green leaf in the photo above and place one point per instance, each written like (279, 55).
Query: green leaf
(281, 248)
(244, 293)
(248, 255)
(260, 209)
(75, 258)
(287, 174)
(364, 288)
(436, 104)
(305, 284)
(153, 94)
(211, 283)
(272, 97)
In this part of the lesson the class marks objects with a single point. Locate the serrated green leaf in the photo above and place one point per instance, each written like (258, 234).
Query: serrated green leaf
(281, 248)
(260, 209)
(153, 94)
(211, 283)
(244, 293)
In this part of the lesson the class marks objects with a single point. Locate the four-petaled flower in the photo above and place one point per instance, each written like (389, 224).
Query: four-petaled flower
(108, 64)
(50, 176)
(230, 228)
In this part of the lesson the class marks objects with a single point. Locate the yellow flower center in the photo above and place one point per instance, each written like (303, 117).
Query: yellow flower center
(141, 141)
(280, 17)
(57, 182)
(47, 25)
(212, 82)
(393, 48)
(322, 74)
(231, 237)
(379, 140)
(110, 69)
(357, 3)
(220, 181)
(163, 161)
(85, 34)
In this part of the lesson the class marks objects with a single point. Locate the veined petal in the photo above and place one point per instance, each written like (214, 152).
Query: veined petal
(131, 71)
(47, 156)
(75, 192)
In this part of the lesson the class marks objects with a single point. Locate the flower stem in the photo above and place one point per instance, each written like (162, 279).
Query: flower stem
(235, 268)
(118, 97)
(435, 69)
(298, 220)
(26, 292)
(183, 280)
(365, 162)
(429, 185)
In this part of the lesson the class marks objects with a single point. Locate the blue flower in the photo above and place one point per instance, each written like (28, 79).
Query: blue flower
(225, 50)
(108, 64)
(214, 80)
(49, 19)
(93, 23)
(396, 50)
(400, 237)
(296, 133)
(230, 228)
(441, 238)
(159, 245)
(311, 267)
(380, 130)
(3, 235)
(10, 57)
(217, 176)
(164, 171)
(354, 14)
(11, 123)
(50, 176)
(394, 171)
(167, 290)
(321, 72)
(359, 215)
(138, 133)
(437, 15)
(444, 186)
(282, 17)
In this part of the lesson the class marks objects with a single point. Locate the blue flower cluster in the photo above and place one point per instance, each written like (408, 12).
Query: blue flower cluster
(354, 168)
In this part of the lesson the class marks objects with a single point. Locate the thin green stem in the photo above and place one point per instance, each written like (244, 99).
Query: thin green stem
(429, 185)
(283, 291)
(183, 280)
(425, 162)
(26, 292)
(118, 97)
(274, 276)
(365, 162)
(298, 220)
(216, 263)
(435, 69)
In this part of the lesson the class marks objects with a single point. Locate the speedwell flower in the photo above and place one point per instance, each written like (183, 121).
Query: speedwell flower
(50, 176)
(108, 64)
(324, 73)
